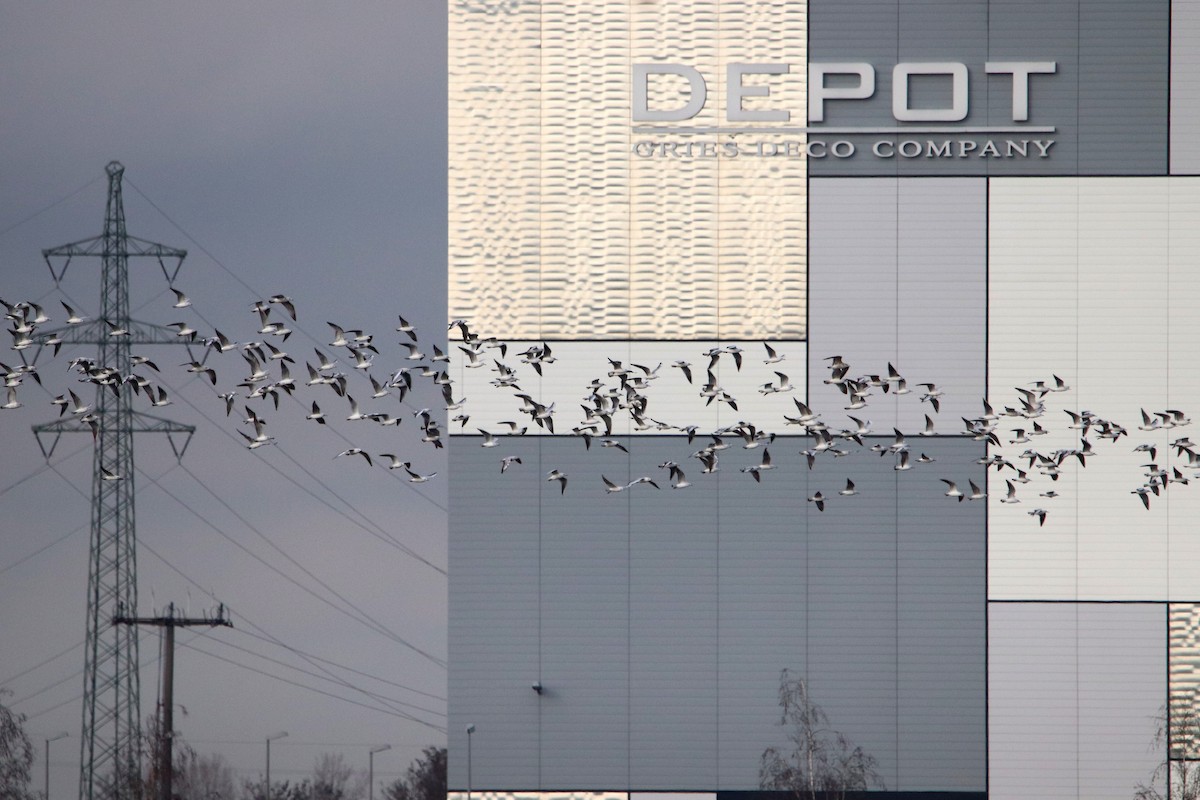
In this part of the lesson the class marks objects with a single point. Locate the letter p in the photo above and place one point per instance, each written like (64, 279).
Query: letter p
(818, 92)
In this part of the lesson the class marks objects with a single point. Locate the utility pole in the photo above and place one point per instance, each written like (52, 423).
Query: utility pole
(270, 739)
(110, 757)
(47, 753)
(169, 623)
(371, 768)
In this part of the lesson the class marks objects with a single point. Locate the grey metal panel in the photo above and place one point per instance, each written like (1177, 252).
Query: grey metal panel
(1041, 31)
(852, 606)
(942, 609)
(1107, 102)
(1032, 704)
(1185, 87)
(898, 274)
(1124, 58)
(493, 620)
(941, 288)
(763, 586)
(673, 623)
(1122, 687)
(1073, 691)
(851, 286)
(585, 627)
(660, 619)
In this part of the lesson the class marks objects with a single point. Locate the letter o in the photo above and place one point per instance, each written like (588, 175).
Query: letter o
(842, 149)
(910, 152)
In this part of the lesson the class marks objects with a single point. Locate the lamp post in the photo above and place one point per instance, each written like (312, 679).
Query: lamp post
(371, 768)
(272, 737)
(48, 741)
(470, 730)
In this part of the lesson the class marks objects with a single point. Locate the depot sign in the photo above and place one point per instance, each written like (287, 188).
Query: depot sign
(861, 87)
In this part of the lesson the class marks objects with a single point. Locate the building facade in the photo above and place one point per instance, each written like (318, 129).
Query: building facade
(982, 193)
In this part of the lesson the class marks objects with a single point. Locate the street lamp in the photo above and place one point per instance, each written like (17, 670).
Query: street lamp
(470, 730)
(371, 768)
(271, 738)
(48, 741)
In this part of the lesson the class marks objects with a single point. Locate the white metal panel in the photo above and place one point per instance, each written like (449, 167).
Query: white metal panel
(1088, 280)
(672, 399)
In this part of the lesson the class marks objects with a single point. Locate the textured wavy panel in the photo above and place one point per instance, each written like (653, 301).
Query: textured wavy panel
(1093, 279)
(1183, 664)
(494, 166)
(763, 205)
(584, 169)
(558, 230)
(675, 202)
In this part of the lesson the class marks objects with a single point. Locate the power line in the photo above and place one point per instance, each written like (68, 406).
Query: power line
(203, 519)
(314, 689)
(40, 470)
(380, 533)
(375, 695)
(48, 687)
(273, 640)
(79, 696)
(43, 549)
(365, 620)
(41, 664)
(43, 210)
(307, 572)
(257, 294)
(299, 652)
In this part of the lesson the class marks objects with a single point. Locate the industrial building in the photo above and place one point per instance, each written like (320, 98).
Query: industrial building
(982, 193)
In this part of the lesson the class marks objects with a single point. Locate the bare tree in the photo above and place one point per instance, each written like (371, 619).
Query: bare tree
(280, 790)
(425, 779)
(334, 779)
(821, 764)
(1178, 775)
(203, 777)
(16, 754)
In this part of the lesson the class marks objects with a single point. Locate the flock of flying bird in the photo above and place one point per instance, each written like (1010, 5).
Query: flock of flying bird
(267, 376)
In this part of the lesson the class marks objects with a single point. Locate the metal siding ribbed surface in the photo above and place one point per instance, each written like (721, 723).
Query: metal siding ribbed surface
(1185, 87)
(493, 624)
(672, 399)
(1063, 300)
(661, 619)
(584, 622)
(1124, 64)
(1074, 689)
(1107, 101)
(899, 276)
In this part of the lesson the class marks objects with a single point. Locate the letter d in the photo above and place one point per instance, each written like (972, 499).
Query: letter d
(696, 85)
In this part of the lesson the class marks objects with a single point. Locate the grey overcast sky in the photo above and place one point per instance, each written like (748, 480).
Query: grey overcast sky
(294, 147)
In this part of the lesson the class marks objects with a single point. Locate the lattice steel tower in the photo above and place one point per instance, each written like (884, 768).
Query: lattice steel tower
(111, 735)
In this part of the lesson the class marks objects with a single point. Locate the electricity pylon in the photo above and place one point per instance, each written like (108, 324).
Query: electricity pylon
(110, 764)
